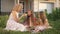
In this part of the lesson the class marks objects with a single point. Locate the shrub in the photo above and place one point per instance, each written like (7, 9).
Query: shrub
(55, 15)
(3, 20)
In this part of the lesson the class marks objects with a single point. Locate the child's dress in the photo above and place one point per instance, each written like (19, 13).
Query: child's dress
(41, 28)
(13, 25)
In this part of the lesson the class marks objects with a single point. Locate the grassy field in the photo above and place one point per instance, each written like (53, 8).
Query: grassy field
(54, 30)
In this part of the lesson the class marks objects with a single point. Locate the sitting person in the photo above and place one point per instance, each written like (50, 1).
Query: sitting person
(28, 19)
(44, 19)
(43, 23)
(13, 21)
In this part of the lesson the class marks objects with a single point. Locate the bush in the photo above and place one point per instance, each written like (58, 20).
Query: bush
(55, 15)
(3, 20)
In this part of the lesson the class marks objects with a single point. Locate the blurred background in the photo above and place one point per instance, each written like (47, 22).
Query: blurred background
(50, 7)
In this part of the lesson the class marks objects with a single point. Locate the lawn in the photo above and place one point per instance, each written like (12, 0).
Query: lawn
(54, 30)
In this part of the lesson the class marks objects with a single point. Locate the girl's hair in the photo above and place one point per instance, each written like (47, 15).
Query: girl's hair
(29, 16)
(42, 14)
(16, 7)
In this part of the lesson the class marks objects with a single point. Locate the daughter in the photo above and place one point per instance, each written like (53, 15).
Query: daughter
(13, 21)
(43, 23)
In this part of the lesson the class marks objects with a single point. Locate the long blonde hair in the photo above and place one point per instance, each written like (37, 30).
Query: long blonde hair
(16, 7)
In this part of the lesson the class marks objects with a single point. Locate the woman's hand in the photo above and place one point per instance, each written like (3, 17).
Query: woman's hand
(23, 15)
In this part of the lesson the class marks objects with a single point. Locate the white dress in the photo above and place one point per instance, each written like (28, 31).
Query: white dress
(40, 28)
(13, 25)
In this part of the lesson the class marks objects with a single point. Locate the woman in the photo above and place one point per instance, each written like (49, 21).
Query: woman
(13, 21)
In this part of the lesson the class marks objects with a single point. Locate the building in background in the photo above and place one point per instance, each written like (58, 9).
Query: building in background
(46, 4)
(34, 5)
(7, 5)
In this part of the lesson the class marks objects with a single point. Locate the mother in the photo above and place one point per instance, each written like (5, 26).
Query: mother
(13, 21)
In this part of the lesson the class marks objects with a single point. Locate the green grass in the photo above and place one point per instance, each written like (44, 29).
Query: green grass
(54, 30)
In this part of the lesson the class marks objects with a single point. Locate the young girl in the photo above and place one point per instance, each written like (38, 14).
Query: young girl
(28, 19)
(44, 19)
(13, 21)
(43, 23)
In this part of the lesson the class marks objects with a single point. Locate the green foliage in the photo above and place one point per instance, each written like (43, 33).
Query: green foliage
(55, 15)
(23, 19)
(35, 14)
(54, 30)
(3, 20)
